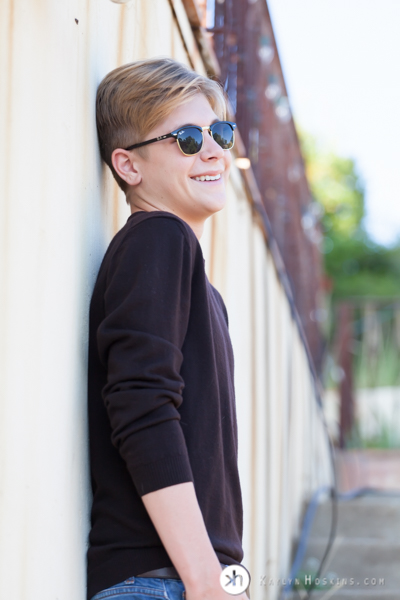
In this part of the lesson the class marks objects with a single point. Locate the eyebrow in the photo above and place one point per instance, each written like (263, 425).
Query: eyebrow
(193, 124)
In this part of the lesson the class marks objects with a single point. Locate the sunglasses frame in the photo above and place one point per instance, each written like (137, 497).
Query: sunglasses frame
(176, 132)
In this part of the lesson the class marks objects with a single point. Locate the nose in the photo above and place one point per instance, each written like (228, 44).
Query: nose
(210, 147)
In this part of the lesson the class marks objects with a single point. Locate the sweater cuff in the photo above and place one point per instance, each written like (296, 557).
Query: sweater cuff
(171, 470)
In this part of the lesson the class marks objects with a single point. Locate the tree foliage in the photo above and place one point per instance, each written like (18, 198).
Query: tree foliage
(356, 264)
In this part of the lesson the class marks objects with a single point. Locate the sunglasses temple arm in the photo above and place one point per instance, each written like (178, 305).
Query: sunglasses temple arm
(162, 137)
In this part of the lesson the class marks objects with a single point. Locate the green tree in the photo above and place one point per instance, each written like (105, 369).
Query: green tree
(356, 265)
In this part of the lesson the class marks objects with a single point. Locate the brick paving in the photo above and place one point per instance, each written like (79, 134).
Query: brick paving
(376, 468)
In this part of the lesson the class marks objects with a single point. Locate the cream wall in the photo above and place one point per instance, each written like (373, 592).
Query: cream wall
(59, 210)
(283, 450)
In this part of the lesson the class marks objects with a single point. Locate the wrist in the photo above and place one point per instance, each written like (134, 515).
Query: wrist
(203, 577)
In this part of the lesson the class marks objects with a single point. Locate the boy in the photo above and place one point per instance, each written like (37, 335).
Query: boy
(167, 508)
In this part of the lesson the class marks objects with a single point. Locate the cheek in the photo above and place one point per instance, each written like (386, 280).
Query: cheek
(228, 161)
(193, 165)
(168, 162)
(178, 167)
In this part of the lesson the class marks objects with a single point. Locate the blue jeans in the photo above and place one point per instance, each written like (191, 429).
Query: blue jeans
(144, 588)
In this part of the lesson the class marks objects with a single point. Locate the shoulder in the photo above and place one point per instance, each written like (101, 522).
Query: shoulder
(159, 224)
(150, 237)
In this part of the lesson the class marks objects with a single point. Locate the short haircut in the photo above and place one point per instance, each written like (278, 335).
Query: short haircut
(134, 98)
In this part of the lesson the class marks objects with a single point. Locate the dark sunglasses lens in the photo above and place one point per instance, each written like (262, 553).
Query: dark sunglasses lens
(190, 140)
(223, 135)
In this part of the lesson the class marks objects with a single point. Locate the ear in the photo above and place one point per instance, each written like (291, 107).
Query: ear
(126, 166)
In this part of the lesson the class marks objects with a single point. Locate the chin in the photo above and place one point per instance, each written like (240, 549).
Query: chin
(215, 204)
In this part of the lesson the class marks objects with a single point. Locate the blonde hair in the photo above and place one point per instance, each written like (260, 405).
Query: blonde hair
(132, 99)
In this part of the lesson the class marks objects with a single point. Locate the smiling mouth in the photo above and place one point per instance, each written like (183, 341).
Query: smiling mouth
(207, 178)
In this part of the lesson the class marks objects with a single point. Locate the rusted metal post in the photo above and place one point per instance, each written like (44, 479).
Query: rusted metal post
(345, 359)
(252, 75)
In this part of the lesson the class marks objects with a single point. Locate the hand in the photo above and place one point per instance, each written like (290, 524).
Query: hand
(217, 594)
(205, 591)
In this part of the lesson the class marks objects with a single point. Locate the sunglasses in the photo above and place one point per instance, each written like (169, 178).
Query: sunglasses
(190, 138)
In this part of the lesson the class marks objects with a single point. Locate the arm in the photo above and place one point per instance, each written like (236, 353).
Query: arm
(176, 515)
(147, 307)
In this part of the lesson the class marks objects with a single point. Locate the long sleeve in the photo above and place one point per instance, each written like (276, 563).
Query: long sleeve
(161, 398)
(146, 307)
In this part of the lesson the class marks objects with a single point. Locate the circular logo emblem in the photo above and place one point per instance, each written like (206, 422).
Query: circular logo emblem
(234, 579)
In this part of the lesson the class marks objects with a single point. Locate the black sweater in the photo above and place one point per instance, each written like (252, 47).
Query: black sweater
(161, 397)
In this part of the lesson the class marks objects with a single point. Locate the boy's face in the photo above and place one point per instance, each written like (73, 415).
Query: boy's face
(166, 177)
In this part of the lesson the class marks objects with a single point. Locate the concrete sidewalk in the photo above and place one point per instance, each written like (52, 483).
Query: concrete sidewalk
(364, 561)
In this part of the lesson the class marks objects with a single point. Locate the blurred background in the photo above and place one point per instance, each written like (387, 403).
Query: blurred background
(339, 230)
(348, 127)
(330, 185)
(306, 255)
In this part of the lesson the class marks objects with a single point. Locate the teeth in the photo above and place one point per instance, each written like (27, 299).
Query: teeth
(208, 178)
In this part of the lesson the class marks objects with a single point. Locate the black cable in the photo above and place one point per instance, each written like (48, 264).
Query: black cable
(334, 496)
(334, 520)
